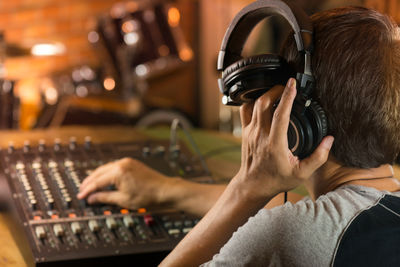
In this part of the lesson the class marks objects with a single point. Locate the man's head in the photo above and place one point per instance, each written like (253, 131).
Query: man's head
(356, 65)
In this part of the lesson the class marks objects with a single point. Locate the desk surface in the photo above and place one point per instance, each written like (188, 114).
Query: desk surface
(223, 163)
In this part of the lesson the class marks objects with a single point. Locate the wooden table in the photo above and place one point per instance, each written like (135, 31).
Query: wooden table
(223, 163)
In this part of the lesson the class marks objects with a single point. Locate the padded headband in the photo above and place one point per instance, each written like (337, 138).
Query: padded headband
(241, 26)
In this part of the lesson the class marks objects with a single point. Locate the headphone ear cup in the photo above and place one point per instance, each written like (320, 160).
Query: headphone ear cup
(249, 78)
(308, 125)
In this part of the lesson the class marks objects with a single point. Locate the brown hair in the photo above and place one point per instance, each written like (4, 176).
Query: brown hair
(356, 66)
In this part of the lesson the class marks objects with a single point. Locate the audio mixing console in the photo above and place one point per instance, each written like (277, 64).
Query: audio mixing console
(60, 229)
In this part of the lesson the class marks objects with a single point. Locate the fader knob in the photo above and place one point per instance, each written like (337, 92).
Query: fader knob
(58, 230)
(42, 145)
(76, 228)
(11, 147)
(128, 221)
(175, 151)
(146, 151)
(160, 151)
(111, 223)
(94, 226)
(72, 143)
(27, 146)
(57, 144)
(40, 232)
(88, 142)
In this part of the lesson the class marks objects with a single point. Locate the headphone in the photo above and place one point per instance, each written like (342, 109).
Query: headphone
(245, 79)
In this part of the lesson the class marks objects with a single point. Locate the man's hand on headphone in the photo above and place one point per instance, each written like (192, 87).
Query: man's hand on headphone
(268, 166)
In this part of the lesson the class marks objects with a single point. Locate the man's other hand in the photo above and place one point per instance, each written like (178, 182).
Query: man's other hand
(136, 184)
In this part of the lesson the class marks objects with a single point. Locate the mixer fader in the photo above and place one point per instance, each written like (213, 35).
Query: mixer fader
(59, 228)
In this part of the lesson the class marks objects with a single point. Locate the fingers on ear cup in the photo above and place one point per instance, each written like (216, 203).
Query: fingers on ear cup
(309, 125)
(251, 77)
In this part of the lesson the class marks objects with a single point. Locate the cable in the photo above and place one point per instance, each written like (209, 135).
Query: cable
(174, 145)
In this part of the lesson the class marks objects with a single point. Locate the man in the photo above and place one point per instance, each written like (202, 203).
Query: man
(352, 215)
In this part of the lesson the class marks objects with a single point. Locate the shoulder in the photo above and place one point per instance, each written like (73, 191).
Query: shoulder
(374, 231)
(293, 233)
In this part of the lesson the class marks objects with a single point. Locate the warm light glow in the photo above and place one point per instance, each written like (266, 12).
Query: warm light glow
(7, 86)
(48, 49)
(49, 91)
(186, 54)
(87, 73)
(130, 26)
(109, 83)
(93, 37)
(51, 95)
(173, 17)
(81, 91)
(131, 38)
(141, 70)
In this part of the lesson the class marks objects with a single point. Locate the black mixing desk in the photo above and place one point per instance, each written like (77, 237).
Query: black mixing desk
(61, 230)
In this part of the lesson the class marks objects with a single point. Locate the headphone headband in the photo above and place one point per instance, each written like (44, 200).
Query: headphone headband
(241, 26)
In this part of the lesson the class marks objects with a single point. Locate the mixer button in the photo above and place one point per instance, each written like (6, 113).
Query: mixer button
(68, 163)
(124, 211)
(188, 223)
(42, 145)
(36, 165)
(33, 203)
(174, 231)
(27, 146)
(72, 143)
(186, 230)
(11, 147)
(58, 230)
(40, 232)
(93, 225)
(51, 203)
(76, 228)
(175, 152)
(128, 221)
(88, 142)
(111, 223)
(57, 144)
(167, 225)
(52, 164)
(20, 166)
(146, 151)
(148, 219)
(178, 224)
(160, 151)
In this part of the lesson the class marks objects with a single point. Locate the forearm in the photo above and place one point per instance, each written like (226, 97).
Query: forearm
(232, 210)
(191, 197)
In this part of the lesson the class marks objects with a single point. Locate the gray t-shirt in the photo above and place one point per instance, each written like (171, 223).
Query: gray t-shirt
(307, 233)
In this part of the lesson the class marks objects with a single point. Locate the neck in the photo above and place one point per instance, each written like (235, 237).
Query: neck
(332, 175)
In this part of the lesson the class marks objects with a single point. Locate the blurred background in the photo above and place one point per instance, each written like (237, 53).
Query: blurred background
(143, 62)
